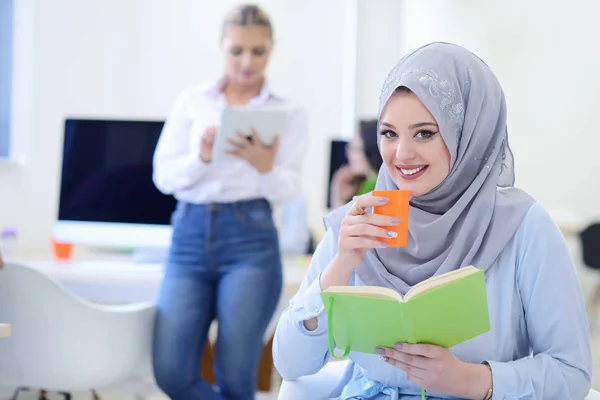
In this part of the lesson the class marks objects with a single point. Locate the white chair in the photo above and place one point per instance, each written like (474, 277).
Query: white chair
(320, 385)
(61, 342)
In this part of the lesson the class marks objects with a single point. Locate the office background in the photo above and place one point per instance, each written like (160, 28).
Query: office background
(129, 59)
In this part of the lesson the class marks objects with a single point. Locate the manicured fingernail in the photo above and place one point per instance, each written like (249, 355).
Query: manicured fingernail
(392, 234)
(384, 358)
(379, 350)
(384, 244)
(398, 346)
(384, 200)
(395, 221)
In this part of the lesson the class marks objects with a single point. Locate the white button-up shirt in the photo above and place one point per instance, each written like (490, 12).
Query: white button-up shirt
(178, 169)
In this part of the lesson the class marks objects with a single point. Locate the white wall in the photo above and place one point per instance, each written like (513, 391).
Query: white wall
(544, 54)
(379, 47)
(129, 59)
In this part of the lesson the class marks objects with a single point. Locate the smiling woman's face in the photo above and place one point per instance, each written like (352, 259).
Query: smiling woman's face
(412, 148)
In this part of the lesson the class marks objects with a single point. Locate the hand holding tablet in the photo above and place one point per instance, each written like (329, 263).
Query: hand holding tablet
(248, 133)
(252, 150)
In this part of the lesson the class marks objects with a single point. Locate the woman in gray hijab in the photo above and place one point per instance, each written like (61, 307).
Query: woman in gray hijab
(443, 136)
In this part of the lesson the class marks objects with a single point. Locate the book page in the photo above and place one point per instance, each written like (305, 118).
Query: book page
(437, 281)
(367, 291)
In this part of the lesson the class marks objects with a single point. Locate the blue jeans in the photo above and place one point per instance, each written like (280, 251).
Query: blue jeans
(224, 263)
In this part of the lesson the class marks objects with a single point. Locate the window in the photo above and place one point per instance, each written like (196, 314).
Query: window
(6, 49)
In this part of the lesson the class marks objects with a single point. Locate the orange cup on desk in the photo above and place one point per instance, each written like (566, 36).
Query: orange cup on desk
(396, 207)
(62, 250)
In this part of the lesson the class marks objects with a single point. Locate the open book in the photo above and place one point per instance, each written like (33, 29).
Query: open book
(444, 310)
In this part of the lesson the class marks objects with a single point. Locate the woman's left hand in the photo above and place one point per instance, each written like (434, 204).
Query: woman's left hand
(252, 150)
(437, 370)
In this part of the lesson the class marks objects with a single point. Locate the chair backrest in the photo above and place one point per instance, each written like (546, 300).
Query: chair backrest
(590, 245)
(58, 340)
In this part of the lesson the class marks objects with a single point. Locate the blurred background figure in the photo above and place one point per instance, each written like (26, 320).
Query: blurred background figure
(359, 175)
(224, 262)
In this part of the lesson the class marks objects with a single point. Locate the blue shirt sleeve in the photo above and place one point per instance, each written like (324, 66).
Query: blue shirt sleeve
(297, 351)
(560, 364)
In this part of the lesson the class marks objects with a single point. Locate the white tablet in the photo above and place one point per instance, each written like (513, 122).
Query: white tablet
(268, 123)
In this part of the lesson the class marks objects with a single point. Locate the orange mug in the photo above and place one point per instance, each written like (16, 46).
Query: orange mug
(62, 251)
(396, 207)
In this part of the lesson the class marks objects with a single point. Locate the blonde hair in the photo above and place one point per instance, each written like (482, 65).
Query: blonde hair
(247, 15)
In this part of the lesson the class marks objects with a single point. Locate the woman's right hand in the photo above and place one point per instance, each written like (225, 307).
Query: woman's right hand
(206, 144)
(359, 230)
(358, 233)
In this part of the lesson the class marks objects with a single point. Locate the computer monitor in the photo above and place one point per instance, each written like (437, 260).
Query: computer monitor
(107, 197)
(337, 158)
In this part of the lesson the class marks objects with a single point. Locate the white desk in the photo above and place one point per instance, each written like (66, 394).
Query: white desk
(120, 281)
(113, 279)
(4, 330)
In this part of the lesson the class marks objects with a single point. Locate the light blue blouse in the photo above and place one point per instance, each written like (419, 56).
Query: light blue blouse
(538, 346)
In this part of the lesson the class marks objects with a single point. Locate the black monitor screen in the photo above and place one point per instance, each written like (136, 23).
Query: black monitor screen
(337, 158)
(107, 173)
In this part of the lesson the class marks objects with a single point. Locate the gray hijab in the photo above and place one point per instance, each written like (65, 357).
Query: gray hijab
(472, 215)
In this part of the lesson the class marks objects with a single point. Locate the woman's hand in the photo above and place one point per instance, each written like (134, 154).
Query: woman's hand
(253, 151)
(359, 230)
(358, 233)
(437, 370)
(206, 144)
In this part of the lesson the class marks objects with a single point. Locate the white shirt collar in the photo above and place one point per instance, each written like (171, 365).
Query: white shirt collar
(216, 91)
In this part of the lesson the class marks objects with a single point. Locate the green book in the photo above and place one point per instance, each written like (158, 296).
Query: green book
(444, 310)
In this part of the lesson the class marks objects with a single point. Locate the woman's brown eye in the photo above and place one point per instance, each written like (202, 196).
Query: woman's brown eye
(425, 134)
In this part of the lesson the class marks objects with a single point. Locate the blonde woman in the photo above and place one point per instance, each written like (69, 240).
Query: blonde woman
(224, 262)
